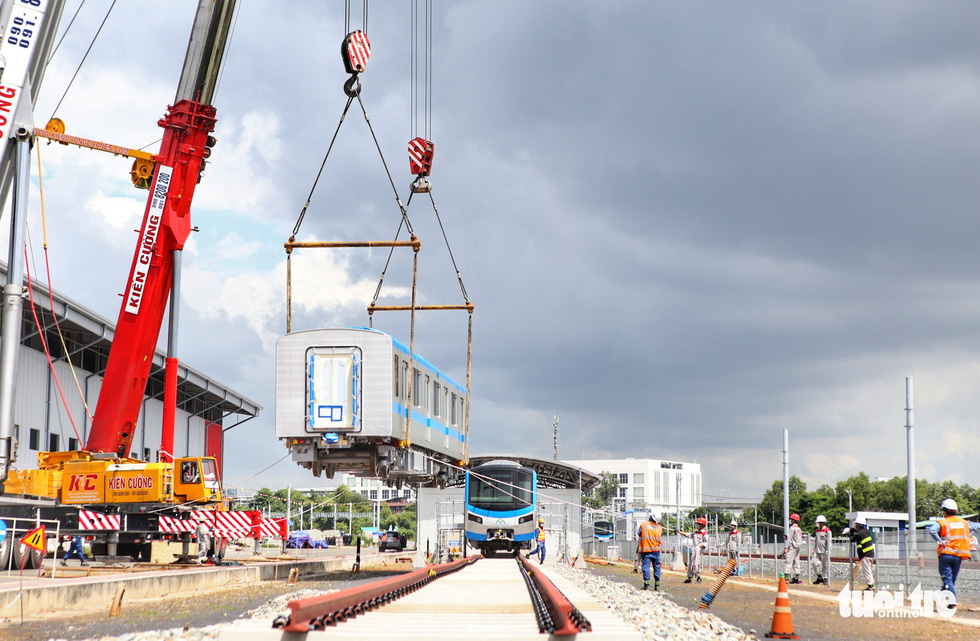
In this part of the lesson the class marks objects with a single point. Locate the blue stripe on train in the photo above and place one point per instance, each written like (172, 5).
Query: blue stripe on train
(476, 536)
(399, 410)
(495, 514)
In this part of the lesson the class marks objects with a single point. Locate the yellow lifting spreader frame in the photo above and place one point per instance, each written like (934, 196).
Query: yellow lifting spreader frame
(416, 245)
(143, 164)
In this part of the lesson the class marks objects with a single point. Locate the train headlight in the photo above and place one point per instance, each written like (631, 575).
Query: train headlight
(526, 518)
(474, 518)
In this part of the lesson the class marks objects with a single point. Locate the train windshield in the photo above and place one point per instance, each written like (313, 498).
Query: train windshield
(501, 489)
(603, 528)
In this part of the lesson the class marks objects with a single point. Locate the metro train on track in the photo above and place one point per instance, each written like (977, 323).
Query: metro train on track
(501, 503)
(342, 404)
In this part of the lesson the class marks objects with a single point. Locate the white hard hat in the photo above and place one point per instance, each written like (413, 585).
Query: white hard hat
(821, 518)
(949, 504)
(653, 517)
(860, 521)
(734, 522)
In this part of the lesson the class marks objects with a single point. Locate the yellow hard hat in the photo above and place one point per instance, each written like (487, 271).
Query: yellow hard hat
(541, 520)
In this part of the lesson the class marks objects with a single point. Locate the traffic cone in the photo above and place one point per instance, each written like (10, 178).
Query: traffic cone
(782, 618)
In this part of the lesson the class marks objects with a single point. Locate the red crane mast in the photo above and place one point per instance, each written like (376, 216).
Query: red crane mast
(166, 225)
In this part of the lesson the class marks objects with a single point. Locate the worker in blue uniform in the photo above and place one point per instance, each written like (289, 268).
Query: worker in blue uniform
(74, 548)
(539, 539)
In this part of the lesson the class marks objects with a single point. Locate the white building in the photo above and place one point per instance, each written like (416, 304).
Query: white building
(375, 489)
(651, 484)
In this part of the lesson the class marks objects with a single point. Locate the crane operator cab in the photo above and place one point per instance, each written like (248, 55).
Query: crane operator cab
(197, 480)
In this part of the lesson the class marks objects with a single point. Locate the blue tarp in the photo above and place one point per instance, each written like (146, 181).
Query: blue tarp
(302, 539)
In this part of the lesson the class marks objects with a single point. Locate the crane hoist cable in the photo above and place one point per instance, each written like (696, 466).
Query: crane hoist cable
(67, 29)
(420, 155)
(79, 68)
(355, 53)
(54, 315)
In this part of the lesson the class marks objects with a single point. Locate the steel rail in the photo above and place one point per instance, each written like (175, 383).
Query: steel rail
(563, 618)
(316, 613)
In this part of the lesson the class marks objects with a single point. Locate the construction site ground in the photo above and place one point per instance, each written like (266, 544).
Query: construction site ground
(749, 604)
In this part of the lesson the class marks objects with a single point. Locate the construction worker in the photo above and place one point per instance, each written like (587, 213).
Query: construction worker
(202, 534)
(794, 540)
(732, 545)
(865, 550)
(650, 535)
(75, 547)
(539, 539)
(699, 543)
(952, 533)
(820, 560)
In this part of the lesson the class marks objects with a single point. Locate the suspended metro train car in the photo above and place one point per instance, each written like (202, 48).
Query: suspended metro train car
(501, 501)
(342, 405)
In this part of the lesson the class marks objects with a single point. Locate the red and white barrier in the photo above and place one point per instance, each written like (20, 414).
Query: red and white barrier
(229, 525)
(88, 520)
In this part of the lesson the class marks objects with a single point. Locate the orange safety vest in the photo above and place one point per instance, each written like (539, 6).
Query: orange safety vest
(650, 534)
(955, 533)
(541, 533)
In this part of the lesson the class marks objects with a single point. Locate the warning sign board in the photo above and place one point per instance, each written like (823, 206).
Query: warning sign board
(34, 539)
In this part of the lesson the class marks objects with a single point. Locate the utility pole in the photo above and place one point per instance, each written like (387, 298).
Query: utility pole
(785, 483)
(910, 448)
(556, 436)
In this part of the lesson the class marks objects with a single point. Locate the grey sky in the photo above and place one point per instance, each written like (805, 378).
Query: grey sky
(685, 226)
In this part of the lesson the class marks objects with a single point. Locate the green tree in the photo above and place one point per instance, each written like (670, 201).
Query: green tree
(771, 505)
(604, 494)
(864, 493)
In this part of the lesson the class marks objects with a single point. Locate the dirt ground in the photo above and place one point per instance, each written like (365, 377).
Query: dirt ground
(751, 609)
(194, 610)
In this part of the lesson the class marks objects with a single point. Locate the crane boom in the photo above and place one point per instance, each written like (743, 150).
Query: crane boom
(166, 225)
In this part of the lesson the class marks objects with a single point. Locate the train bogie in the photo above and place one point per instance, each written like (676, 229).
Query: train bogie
(348, 400)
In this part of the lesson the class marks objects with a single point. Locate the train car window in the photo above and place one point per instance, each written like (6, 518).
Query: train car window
(454, 411)
(333, 387)
(405, 378)
(436, 399)
(425, 397)
(445, 402)
(394, 377)
(416, 388)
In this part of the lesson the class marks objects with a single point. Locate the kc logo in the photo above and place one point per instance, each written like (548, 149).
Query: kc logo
(82, 482)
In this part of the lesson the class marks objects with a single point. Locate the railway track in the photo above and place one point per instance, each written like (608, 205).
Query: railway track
(469, 598)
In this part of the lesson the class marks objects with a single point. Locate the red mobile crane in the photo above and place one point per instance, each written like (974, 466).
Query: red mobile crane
(102, 474)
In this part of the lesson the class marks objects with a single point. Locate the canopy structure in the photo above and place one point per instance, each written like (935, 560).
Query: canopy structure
(551, 473)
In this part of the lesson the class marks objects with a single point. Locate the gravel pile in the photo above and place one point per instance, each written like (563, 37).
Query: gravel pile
(652, 614)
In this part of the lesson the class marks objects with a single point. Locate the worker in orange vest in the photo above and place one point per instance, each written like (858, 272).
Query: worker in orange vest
(952, 533)
(650, 535)
(539, 539)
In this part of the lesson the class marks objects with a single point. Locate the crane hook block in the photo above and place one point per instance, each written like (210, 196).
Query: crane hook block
(420, 153)
(355, 50)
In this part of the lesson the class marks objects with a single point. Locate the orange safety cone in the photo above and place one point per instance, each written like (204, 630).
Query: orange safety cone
(782, 618)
